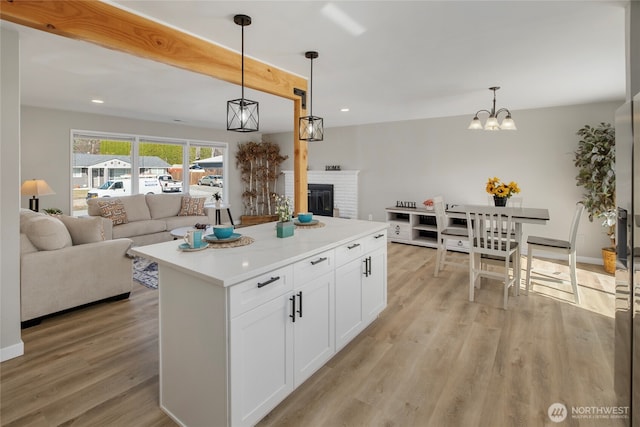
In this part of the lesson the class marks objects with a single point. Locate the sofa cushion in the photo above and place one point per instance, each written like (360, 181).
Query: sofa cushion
(84, 230)
(47, 233)
(139, 228)
(26, 247)
(192, 206)
(183, 221)
(26, 215)
(114, 210)
(136, 207)
(164, 205)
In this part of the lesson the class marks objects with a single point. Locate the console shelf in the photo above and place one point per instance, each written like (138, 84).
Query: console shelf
(418, 226)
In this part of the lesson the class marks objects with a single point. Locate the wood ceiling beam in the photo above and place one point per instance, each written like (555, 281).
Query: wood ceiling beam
(108, 26)
(113, 28)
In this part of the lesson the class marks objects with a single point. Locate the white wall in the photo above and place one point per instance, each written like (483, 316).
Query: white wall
(416, 160)
(46, 148)
(10, 342)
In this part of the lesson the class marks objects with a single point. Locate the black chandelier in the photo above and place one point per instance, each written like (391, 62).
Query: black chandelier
(492, 122)
(242, 114)
(311, 128)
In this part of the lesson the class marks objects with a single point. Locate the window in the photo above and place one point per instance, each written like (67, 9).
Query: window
(102, 165)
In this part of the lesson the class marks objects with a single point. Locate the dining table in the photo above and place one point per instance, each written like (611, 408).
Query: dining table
(519, 216)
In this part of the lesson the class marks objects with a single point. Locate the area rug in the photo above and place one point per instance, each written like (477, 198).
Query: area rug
(145, 272)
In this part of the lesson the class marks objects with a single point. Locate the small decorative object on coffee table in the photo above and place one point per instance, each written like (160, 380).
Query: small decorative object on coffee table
(501, 191)
(284, 210)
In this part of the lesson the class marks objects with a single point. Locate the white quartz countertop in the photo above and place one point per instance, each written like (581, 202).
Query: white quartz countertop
(228, 266)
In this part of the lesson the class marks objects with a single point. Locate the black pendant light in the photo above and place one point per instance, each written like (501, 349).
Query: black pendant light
(311, 127)
(242, 114)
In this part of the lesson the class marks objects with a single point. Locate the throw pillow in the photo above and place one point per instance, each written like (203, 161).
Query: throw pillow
(84, 230)
(192, 206)
(113, 210)
(47, 233)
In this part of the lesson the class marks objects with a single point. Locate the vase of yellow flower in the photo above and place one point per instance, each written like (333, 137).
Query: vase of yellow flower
(500, 191)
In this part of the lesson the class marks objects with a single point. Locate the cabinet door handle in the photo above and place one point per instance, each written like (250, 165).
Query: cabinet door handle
(369, 266)
(319, 260)
(300, 308)
(273, 279)
(378, 236)
(293, 308)
(355, 245)
(366, 267)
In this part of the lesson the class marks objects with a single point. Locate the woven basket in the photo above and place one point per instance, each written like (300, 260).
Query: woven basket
(609, 258)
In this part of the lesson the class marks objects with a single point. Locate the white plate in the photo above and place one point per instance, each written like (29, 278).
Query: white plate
(213, 239)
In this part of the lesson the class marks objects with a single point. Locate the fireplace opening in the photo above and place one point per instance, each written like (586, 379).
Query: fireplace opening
(320, 199)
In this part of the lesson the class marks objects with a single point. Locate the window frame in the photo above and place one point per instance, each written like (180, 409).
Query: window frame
(136, 140)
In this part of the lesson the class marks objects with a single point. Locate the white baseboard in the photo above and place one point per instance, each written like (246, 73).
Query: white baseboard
(12, 351)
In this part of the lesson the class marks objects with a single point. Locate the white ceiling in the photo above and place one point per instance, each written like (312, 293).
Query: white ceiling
(411, 60)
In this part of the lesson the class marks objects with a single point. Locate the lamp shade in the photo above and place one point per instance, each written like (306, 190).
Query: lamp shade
(475, 124)
(35, 187)
(508, 124)
(492, 124)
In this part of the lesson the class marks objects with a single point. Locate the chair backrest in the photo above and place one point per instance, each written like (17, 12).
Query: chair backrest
(574, 225)
(441, 215)
(514, 202)
(485, 227)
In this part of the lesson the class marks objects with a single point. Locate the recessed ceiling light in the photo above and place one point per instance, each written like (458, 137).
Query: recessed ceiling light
(97, 101)
(344, 110)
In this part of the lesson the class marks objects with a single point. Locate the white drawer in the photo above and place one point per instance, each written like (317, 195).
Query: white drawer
(254, 292)
(375, 241)
(399, 230)
(313, 267)
(350, 251)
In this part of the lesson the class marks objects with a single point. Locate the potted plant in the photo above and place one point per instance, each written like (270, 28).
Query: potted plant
(53, 211)
(259, 164)
(284, 210)
(500, 191)
(595, 160)
(217, 197)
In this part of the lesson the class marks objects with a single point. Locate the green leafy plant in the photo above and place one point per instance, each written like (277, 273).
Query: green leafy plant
(53, 211)
(595, 160)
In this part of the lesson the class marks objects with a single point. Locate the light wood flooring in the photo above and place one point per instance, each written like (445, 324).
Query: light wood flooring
(431, 359)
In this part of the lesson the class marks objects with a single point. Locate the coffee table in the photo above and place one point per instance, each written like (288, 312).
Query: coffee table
(180, 232)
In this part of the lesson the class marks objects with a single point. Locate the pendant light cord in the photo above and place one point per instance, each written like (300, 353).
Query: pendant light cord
(311, 91)
(242, 64)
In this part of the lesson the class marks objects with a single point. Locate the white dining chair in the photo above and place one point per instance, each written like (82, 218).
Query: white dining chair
(487, 241)
(565, 247)
(446, 232)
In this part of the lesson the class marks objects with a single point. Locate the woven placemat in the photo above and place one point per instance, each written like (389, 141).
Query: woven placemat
(317, 225)
(242, 241)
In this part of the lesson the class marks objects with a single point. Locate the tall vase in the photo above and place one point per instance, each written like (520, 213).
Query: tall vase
(500, 201)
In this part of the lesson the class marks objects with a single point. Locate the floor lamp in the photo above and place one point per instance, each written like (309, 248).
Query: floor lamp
(35, 188)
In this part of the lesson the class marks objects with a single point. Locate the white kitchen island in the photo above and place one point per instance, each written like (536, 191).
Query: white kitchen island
(241, 328)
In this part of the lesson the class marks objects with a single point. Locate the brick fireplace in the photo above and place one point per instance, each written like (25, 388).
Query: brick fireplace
(345, 188)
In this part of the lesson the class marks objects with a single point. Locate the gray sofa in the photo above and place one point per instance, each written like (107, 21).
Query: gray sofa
(66, 262)
(149, 218)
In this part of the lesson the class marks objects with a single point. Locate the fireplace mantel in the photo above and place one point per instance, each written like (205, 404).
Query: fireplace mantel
(345, 188)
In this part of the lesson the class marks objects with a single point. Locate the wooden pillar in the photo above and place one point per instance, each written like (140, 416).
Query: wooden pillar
(299, 162)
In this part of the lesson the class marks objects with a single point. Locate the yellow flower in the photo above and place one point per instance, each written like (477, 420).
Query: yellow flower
(499, 189)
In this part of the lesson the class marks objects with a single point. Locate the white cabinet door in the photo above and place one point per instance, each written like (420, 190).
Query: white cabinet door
(261, 360)
(374, 289)
(348, 302)
(314, 341)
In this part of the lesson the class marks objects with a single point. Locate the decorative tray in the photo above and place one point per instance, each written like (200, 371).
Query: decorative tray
(211, 238)
(306, 224)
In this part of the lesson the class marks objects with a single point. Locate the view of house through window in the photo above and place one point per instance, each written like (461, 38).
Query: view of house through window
(102, 166)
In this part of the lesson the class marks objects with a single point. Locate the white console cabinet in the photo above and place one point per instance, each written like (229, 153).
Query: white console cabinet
(418, 226)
